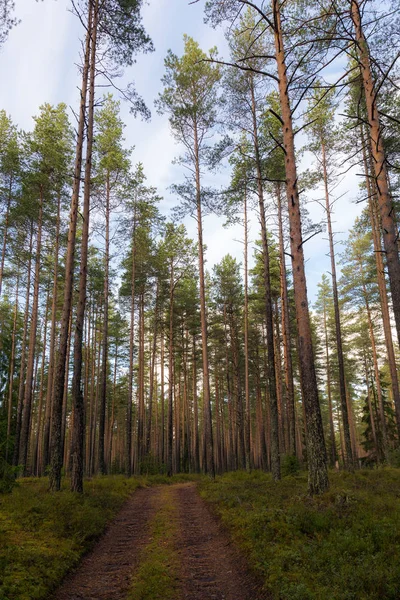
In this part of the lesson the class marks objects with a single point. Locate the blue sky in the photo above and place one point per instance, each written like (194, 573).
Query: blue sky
(38, 64)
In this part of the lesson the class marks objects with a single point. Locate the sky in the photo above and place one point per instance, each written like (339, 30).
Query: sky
(38, 64)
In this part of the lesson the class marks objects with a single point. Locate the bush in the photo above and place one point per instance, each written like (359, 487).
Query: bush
(290, 465)
(8, 476)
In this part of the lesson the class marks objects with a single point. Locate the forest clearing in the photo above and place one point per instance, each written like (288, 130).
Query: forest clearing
(199, 299)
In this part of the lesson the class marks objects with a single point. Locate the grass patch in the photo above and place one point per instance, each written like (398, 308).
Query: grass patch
(43, 535)
(157, 575)
(343, 545)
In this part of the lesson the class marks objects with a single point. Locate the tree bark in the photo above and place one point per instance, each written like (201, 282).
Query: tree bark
(78, 403)
(21, 387)
(385, 202)
(318, 480)
(287, 355)
(104, 363)
(209, 465)
(30, 366)
(271, 371)
(59, 378)
(348, 458)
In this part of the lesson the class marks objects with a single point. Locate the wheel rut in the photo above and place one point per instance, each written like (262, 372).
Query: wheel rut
(210, 568)
(105, 573)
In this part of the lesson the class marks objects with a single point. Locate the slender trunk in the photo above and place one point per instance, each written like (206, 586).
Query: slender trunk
(112, 417)
(170, 433)
(380, 270)
(246, 337)
(78, 403)
(287, 355)
(162, 441)
(152, 373)
(30, 366)
(104, 364)
(195, 411)
(348, 458)
(131, 351)
(36, 465)
(52, 356)
(271, 371)
(209, 466)
(6, 220)
(329, 393)
(376, 367)
(385, 202)
(371, 412)
(12, 366)
(318, 480)
(59, 378)
(21, 387)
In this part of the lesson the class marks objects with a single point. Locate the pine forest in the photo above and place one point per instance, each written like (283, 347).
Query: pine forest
(228, 338)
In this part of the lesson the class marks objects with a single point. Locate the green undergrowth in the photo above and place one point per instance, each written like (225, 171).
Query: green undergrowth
(43, 535)
(157, 575)
(343, 545)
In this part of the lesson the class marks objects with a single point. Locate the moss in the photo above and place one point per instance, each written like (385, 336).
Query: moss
(341, 545)
(43, 535)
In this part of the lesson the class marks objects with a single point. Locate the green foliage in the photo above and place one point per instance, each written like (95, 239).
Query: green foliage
(7, 477)
(43, 535)
(290, 465)
(340, 545)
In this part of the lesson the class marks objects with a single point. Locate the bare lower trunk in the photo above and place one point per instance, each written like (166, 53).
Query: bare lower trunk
(59, 379)
(12, 366)
(209, 466)
(78, 403)
(385, 202)
(287, 355)
(104, 363)
(246, 338)
(348, 458)
(316, 452)
(21, 387)
(30, 366)
(52, 356)
(271, 371)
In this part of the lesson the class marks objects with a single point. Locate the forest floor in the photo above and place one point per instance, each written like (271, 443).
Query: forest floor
(164, 544)
(238, 537)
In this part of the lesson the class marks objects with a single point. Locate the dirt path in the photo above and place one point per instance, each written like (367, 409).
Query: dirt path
(209, 566)
(106, 572)
(212, 569)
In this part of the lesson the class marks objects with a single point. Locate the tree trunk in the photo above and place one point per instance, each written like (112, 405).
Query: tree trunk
(6, 219)
(380, 270)
(209, 466)
(30, 366)
(12, 366)
(287, 354)
(21, 387)
(104, 363)
(170, 433)
(59, 377)
(52, 356)
(385, 202)
(152, 373)
(246, 337)
(78, 403)
(271, 372)
(318, 480)
(329, 393)
(348, 458)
